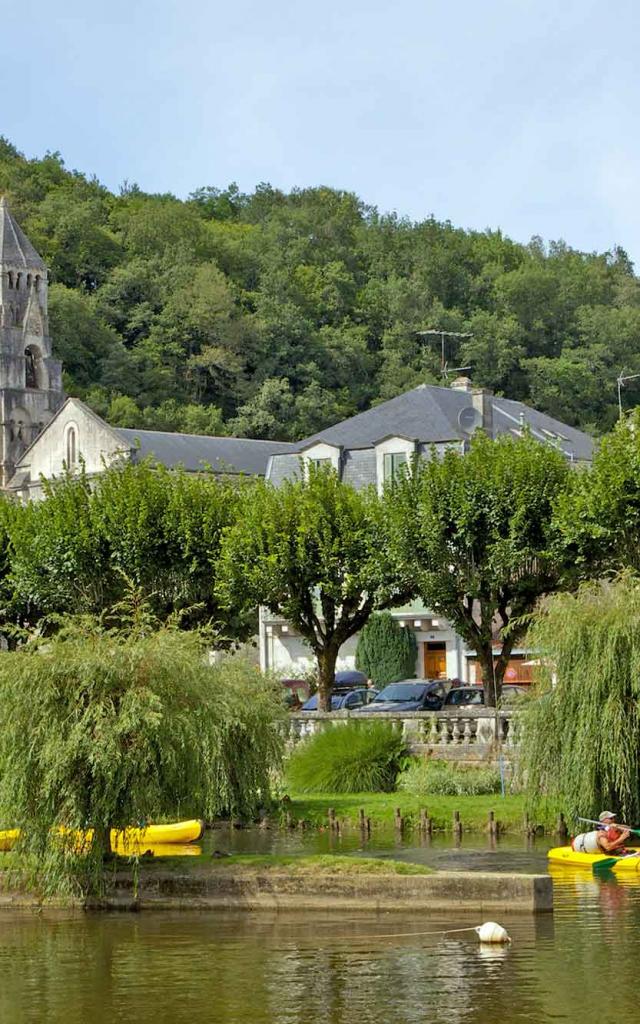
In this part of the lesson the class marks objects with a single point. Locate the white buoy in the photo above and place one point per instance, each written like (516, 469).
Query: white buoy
(492, 932)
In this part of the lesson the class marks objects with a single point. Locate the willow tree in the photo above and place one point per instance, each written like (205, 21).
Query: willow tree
(107, 727)
(476, 530)
(312, 550)
(580, 747)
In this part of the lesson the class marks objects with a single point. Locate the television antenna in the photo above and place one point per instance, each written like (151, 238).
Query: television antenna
(432, 333)
(621, 381)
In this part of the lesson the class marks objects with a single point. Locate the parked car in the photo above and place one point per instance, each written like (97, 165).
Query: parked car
(411, 695)
(343, 700)
(473, 696)
(296, 692)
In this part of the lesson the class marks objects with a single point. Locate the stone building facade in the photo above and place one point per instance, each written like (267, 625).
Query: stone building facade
(30, 378)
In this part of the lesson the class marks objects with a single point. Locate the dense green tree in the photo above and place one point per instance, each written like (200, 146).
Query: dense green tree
(312, 551)
(208, 301)
(159, 528)
(386, 652)
(599, 517)
(476, 531)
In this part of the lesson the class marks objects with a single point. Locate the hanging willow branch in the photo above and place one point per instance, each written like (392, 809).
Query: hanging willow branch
(581, 739)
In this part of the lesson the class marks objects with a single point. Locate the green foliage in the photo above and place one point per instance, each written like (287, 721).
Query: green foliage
(476, 532)
(423, 777)
(106, 727)
(210, 301)
(580, 741)
(386, 652)
(600, 516)
(352, 758)
(161, 528)
(309, 548)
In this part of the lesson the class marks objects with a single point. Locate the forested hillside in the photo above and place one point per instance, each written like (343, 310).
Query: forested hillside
(273, 315)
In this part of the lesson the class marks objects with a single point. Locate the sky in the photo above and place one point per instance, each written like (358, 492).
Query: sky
(508, 114)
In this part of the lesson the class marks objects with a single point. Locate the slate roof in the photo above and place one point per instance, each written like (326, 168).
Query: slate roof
(430, 415)
(197, 452)
(15, 248)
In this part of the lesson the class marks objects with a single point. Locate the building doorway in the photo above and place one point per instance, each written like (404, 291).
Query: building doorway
(435, 660)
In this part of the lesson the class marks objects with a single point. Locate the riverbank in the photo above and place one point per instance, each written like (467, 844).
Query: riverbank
(322, 883)
(380, 808)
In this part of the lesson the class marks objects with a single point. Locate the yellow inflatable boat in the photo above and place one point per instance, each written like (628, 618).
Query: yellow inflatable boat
(153, 835)
(627, 864)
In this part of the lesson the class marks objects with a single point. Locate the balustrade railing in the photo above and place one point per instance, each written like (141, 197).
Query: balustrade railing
(476, 731)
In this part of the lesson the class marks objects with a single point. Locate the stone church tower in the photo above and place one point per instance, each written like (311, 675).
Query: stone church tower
(30, 378)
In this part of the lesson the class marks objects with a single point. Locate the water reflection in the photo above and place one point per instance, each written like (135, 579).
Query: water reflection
(386, 968)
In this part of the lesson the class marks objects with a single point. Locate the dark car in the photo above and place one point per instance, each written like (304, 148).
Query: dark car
(473, 696)
(344, 700)
(410, 695)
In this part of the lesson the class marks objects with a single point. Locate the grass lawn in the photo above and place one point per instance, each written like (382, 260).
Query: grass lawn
(380, 808)
(320, 864)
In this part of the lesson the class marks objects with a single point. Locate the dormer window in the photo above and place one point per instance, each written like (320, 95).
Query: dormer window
(394, 466)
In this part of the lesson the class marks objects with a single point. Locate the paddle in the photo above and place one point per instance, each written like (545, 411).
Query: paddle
(609, 862)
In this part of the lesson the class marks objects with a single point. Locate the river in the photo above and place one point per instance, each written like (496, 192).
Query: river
(225, 968)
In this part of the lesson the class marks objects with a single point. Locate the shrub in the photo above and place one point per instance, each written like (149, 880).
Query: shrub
(386, 652)
(354, 758)
(439, 778)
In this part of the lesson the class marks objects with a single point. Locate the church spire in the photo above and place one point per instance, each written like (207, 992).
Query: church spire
(16, 250)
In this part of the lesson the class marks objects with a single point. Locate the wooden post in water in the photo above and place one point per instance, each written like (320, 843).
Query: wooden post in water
(368, 826)
(457, 824)
(362, 821)
(332, 819)
(424, 817)
(493, 824)
(399, 822)
(562, 829)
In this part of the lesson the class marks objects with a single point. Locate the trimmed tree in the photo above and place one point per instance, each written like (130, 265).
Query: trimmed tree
(599, 517)
(476, 530)
(159, 528)
(313, 551)
(386, 652)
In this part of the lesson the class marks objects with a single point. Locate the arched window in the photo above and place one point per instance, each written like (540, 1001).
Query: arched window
(28, 280)
(18, 277)
(10, 278)
(37, 282)
(72, 446)
(32, 369)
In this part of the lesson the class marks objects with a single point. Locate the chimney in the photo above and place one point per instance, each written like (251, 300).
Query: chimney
(482, 399)
(462, 384)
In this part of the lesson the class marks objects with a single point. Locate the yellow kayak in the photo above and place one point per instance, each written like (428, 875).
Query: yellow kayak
(571, 858)
(153, 835)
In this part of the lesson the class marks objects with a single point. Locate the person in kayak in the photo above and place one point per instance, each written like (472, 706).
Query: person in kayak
(607, 839)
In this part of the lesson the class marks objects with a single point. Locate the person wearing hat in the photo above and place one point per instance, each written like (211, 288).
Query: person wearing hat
(606, 839)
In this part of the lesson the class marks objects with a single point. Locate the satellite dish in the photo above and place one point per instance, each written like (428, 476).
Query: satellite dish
(469, 419)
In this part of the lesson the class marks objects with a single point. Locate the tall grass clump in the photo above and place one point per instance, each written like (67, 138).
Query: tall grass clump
(580, 742)
(103, 727)
(357, 757)
(424, 777)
